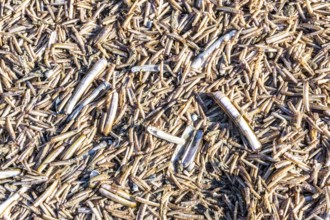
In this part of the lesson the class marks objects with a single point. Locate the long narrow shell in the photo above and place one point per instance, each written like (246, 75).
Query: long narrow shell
(201, 58)
(63, 136)
(50, 158)
(98, 67)
(165, 136)
(96, 92)
(102, 87)
(146, 68)
(223, 101)
(74, 147)
(191, 151)
(117, 191)
(111, 114)
(46, 194)
(9, 173)
(117, 198)
(179, 149)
